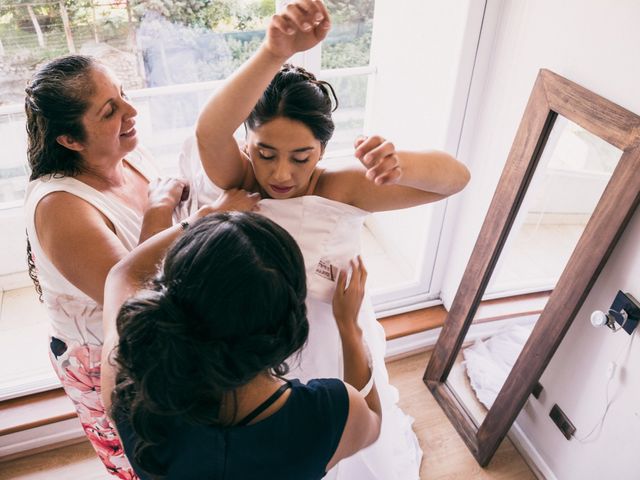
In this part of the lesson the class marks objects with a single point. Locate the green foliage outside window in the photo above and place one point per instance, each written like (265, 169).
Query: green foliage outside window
(31, 34)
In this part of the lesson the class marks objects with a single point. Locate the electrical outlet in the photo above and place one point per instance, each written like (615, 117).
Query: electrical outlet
(537, 390)
(562, 421)
(626, 302)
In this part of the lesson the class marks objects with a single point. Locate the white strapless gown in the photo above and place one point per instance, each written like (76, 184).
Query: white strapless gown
(329, 233)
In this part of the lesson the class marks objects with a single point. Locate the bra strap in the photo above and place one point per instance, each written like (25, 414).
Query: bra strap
(264, 405)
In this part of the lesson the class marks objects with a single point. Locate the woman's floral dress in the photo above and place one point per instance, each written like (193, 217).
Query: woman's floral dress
(75, 328)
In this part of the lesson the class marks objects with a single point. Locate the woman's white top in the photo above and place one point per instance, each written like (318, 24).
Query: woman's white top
(74, 316)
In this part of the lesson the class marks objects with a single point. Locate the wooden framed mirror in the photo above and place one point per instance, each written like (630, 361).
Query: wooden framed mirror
(562, 122)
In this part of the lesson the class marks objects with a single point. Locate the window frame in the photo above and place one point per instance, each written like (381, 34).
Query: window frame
(423, 291)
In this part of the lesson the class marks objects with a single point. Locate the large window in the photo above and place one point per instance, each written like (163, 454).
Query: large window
(170, 56)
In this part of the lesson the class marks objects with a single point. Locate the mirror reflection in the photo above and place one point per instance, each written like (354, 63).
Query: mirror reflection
(570, 178)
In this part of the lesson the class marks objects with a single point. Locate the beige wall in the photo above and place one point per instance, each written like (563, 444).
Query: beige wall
(593, 43)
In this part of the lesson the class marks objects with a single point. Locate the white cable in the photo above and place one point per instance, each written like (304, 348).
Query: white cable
(611, 370)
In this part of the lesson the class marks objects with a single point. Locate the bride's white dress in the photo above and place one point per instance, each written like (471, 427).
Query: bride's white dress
(328, 233)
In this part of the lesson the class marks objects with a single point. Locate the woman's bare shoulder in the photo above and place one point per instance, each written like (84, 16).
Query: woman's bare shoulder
(339, 183)
(69, 211)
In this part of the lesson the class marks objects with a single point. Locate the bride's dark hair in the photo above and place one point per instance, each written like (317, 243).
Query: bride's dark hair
(228, 304)
(297, 94)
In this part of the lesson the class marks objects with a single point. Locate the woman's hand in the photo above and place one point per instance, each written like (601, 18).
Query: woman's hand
(379, 158)
(164, 195)
(348, 300)
(300, 26)
(233, 199)
(167, 192)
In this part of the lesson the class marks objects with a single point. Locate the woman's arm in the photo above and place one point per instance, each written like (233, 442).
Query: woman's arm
(365, 412)
(126, 278)
(81, 242)
(164, 195)
(135, 269)
(390, 179)
(301, 25)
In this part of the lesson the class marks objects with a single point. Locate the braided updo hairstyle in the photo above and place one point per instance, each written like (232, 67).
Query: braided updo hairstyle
(56, 99)
(296, 94)
(228, 305)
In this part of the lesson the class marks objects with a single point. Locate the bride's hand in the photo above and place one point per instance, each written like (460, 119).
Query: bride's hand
(300, 26)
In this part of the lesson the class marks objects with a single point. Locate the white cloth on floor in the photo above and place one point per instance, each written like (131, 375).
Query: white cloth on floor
(488, 362)
(329, 233)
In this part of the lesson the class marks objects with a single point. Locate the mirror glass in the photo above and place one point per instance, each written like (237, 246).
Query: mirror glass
(571, 175)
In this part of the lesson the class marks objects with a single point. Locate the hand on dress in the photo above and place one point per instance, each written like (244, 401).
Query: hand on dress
(233, 199)
(300, 26)
(167, 192)
(348, 300)
(379, 158)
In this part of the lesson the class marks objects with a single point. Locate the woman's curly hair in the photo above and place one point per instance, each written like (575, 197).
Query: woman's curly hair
(228, 304)
(56, 98)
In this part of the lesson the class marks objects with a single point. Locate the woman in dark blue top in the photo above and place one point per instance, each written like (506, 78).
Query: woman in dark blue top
(195, 359)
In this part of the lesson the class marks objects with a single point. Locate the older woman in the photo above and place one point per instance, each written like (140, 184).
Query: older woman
(93, 196)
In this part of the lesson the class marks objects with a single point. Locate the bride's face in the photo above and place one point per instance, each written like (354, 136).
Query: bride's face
(284, 154)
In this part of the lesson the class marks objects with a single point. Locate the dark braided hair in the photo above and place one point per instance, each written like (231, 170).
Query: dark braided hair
(56, 99)
(296, 94)
(228, 305)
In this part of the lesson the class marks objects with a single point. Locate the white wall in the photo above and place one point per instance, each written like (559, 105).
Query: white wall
(585, 41)
(421, 53)
(594, 44)
(576, 380)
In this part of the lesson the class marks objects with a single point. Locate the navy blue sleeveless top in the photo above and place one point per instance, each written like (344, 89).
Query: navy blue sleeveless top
(296, 442)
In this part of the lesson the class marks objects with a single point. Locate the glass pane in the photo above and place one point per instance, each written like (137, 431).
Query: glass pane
(348, 43)
(572, 174)
(349, 117)
(13, 172)
(146, 43)
(200, 41)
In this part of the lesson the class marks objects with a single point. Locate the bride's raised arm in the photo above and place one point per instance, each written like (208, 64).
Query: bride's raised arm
(299, 27)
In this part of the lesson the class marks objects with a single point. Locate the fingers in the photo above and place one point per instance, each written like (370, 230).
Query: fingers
(325, 21)
(390, 177)
(254, 198)
(167, 191)
(366, 144)
(363, 270)
(373, 149)
(280, 23)
(385, 169)
(303, 15)
(358, 274)
(342, 282)
(358, 141)
(379, 157)
(240, 200)
(185, 193)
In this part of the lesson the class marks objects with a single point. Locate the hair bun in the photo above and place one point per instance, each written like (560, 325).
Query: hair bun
(304, 75)
(295, 69)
